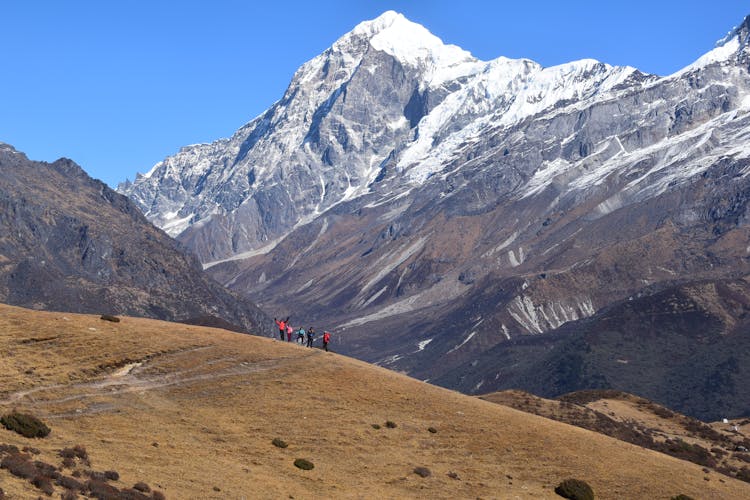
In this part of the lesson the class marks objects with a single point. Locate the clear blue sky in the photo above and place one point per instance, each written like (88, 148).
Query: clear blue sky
(118, 85)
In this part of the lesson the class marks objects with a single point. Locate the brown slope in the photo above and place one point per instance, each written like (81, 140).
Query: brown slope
(69, 243)
(192, 411)
(636, 420)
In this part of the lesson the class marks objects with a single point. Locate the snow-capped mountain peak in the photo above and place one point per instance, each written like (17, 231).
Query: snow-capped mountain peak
(409, 42)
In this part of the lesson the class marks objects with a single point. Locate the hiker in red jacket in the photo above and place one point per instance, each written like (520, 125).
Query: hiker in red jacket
(282, 326)
(326, 339)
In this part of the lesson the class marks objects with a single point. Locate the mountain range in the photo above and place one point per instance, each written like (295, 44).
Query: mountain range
(491, 224)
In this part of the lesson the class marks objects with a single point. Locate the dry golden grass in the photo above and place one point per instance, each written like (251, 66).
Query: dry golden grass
(193, 410)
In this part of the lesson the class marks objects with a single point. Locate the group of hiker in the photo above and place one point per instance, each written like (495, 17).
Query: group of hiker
(303, 337)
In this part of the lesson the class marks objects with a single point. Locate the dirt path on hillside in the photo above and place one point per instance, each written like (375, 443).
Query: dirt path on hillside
(139, 377)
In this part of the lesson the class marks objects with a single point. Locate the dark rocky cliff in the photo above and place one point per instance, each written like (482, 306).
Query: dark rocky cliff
(69, 243)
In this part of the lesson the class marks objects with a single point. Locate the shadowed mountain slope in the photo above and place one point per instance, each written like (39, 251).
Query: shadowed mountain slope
(68, 242)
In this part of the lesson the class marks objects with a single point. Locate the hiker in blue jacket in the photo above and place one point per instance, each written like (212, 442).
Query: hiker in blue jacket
(310, 336)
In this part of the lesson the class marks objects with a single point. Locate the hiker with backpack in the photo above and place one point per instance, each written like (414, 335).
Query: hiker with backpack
(310, 336)
(301, 336)
(282, 326)
(326, 339)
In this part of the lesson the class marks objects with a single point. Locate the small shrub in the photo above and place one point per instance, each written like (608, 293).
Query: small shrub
(33, 451)
(158, 495)
(44, 483)
(422, 471)
(303, 464)
(453, 475)
(376, 426)
(68, 495)
(46, 469)
(100, 489)
(432, 430)
(108, 317)
(112, 475)
(131, 494)
(279, 443)
(682, 497)
(70, 483)
(390, 424)
(19, 466)
(26, 425)
(141, 486)
(575, 489)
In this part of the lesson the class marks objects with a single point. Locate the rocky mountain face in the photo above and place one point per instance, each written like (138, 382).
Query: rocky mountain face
(69, 243)
(444, 213)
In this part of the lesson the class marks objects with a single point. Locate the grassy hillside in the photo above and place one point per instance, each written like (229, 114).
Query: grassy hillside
(193, 411)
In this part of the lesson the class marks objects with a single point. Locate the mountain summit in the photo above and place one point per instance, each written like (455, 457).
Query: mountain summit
(445, 213)
(387, 97)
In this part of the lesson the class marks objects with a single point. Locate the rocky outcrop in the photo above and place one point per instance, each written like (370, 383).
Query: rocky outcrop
(70, 243)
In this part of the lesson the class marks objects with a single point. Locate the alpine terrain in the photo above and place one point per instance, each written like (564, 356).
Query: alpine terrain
(69, 243)
(487, 225)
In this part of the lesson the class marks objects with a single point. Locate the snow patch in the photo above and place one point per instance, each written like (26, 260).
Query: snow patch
(423, 344)
(459, 346)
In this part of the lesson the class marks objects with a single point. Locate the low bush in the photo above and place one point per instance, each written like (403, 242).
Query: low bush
(26, 425)
(681, 497)
(108, 317)
(422, 471)
(100, 489)
(19, 466)
(303, 464)
(279, 443)
(70, 483)
(132, 494)
(44, 483)
(112, 475)
(376, 426)
(77, 451)
(158, 495)
(575, 489)
(432, 430)
(142, 487)
(390, 424)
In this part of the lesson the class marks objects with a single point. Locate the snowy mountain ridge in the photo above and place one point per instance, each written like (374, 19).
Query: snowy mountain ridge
(437, 209)
(469, 95)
